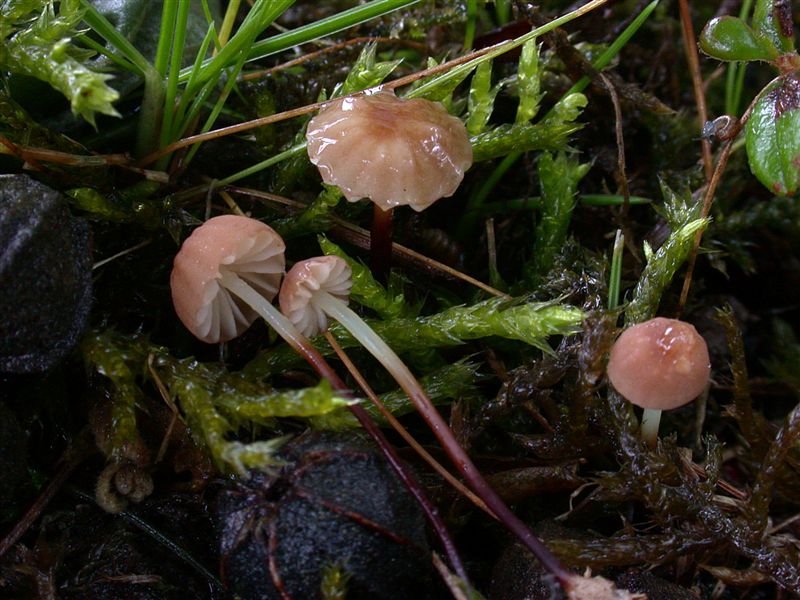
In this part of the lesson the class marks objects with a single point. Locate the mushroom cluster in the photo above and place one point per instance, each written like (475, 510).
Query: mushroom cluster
(226, 273)
(228, 270)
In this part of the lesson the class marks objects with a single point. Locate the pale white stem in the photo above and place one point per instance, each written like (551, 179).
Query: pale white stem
(651, 417)
(386, 356)
(370, 340)
(275, 318)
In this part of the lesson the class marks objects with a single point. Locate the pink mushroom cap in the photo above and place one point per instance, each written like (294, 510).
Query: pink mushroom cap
(390, 150)
(329, 273)
(660, 364)
(250, 249)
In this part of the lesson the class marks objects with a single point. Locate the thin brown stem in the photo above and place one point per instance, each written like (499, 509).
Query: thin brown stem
(398, 427)
(623, 177)
(380, 243)
(692, 57)
(708, 199)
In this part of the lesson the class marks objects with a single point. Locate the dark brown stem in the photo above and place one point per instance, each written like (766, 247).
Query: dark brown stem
(485, 491)
(324, 369)
(690, 43)
(380, 244)
(403, 376)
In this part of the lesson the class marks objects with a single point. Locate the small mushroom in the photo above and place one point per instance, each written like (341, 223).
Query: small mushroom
(219, 260)
(660, 364)
(316, 289)
(391, 150)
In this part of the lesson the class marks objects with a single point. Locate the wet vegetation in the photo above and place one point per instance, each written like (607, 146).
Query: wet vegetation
(139, 462)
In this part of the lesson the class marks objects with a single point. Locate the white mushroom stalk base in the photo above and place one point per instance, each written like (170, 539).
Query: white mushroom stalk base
(651, 418)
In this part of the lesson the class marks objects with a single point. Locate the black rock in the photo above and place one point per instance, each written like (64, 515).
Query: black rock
(45, 276)
(336, 504)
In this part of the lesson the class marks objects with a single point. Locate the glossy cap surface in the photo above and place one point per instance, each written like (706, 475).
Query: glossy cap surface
(390, 150)
(659, 364)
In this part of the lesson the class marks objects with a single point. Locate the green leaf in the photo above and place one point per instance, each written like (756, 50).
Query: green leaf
(679, 207)
(437, 87)
(528, 82)
(774, 21)
(551, 133)
(773, 137)
(730, 38)
(366, 72)
(104, 356)
(659, 271)
(481, 98)
(259, 407)
(530, 323)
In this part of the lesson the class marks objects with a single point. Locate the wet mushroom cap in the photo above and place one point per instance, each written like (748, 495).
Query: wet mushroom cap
(304, 279)
(390, 150)
(660, 364)
(250, 249)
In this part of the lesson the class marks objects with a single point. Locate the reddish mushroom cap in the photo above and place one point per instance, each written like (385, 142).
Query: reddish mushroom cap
(659, 364)
(390, 150)
(304, 279)
(244, 246)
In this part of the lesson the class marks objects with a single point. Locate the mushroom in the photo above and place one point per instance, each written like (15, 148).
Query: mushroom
(660, 364)
(391, 150)
(227, 273)
(318, 288)
(220, 270)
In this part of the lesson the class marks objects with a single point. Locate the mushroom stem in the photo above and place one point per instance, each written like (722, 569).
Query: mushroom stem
(651, 418)
(286, 329)
(264, 308)
(380, 243)
(386, 356)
